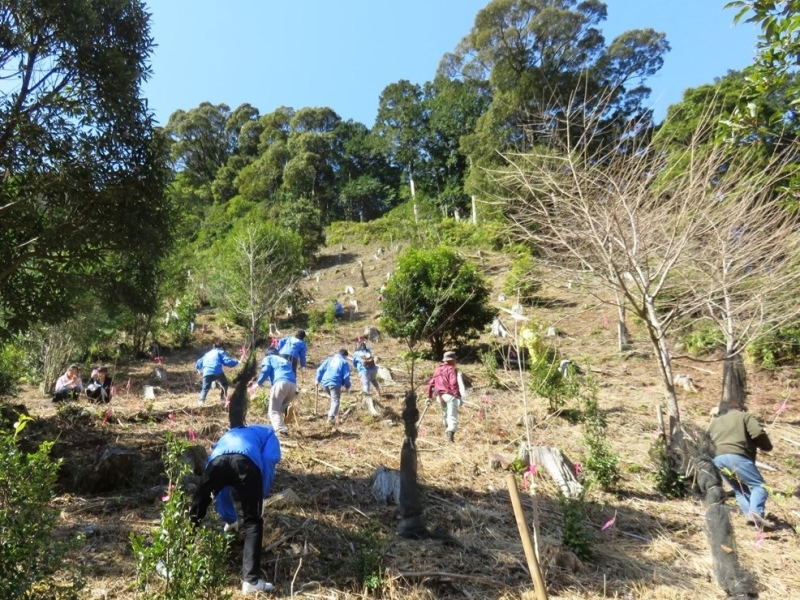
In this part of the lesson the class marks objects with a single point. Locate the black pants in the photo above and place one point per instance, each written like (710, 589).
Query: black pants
(66, 394)
(292, 359)
(242, 474)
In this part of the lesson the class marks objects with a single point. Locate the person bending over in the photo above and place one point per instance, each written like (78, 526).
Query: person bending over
(243, 459)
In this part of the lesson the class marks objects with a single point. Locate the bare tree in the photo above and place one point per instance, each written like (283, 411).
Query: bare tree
(745, 269)
(629, 216)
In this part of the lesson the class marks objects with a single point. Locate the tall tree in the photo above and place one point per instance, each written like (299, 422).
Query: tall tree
(400, 125)
(453, 109)
(83, 170)
(541, 56)
(202, 141)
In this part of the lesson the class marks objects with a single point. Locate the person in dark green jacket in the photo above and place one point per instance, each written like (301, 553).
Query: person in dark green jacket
(737, 435)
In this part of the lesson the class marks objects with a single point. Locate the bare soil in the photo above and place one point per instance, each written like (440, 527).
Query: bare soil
(339, 533)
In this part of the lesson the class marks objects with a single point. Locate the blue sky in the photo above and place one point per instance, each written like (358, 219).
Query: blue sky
(343, 53)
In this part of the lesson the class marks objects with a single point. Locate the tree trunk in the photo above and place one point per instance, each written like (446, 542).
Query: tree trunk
(734, 381)
(412, 524)
(659, 342)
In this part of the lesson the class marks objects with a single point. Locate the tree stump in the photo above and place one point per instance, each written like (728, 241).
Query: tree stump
(556, 464)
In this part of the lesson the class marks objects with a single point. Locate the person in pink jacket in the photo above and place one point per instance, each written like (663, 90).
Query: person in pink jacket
(444, 386)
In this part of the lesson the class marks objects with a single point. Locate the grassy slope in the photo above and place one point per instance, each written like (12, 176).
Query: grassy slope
(656, 549)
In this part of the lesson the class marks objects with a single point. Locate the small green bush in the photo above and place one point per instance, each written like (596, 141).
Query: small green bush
(33, 561)
(181, 562)
(522, 281)
(704, 340)
(602, 464)
(179, 329)
(316, 320)
(668, 481)
(573, 526)
(12, 368)
(779, 348)
(547, 381)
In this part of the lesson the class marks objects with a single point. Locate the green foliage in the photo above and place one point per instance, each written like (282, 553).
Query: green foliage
(181, 562)
(601, 463)
(12, 367)
(488, 359)
(573, 526)
(544, 377)
(435, 296)
(316, 320)
(668, 481)
(369, 560)
(779, 348)
(429, 229)
(252, 272)
(330, 316)
(85, 169)
(178, 326)
(34, 562)
(522, 282)
(704, 339)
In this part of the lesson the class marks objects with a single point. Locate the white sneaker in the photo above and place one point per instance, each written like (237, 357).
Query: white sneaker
(231, 527)
(258, 586)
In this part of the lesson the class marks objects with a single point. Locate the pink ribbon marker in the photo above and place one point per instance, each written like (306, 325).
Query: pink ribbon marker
(610, 523)
(192, 435)
(759, 540)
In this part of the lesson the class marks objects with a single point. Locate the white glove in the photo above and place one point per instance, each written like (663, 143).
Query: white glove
(231, 527)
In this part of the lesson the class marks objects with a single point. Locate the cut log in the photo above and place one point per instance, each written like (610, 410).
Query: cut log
(556, 464)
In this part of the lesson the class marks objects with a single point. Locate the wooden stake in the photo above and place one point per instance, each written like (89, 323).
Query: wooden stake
(525, 536)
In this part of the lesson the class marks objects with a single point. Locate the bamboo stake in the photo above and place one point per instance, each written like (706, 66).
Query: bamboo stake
(524, 534)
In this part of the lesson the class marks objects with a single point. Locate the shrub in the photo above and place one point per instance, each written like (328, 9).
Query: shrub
(704, 340)
(522, 280)
(182, 562)
(316, 320)
(12, 368)
(573, 526)
(602, 464)
(435, 296)
(545, 378)
(779, 348)
(668, 481)
(33, 562)
(178, 326)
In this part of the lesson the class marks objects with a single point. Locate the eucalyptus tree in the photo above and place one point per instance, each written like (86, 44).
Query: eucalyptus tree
(201, 142)
(540, 56)
(83, 169)
(400, 126)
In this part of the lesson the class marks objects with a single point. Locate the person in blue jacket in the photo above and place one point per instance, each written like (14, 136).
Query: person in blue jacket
(364, 363)
(332, 374)
(211, 365)
(244, 459)
(283, 387)
(293, 348)
(338, 309)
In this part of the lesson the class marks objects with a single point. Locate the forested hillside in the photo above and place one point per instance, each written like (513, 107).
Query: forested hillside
(605, 280)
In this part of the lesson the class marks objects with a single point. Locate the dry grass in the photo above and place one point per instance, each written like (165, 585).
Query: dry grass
(657, 549)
